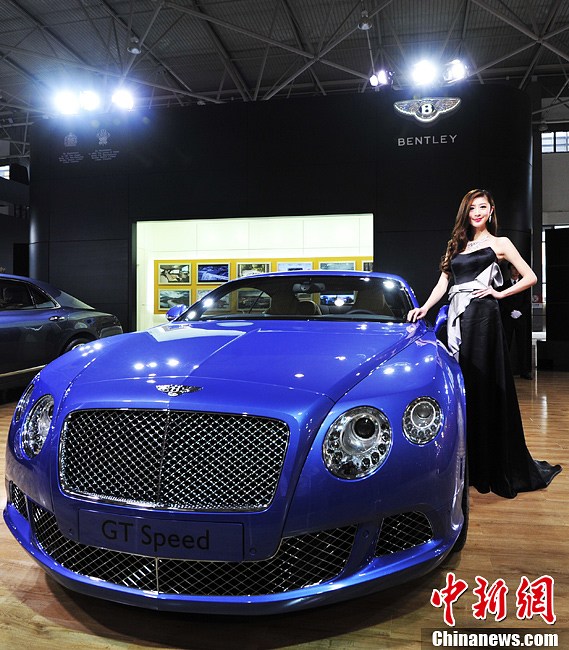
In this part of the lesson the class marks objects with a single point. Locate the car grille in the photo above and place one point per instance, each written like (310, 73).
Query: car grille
(18, 499)
(300, 562)
(403, 531)
(173, 459)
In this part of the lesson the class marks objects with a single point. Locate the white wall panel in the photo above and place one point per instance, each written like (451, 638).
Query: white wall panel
(555, 188)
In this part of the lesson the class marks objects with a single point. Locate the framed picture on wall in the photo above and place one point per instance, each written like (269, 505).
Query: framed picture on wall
(220, 305)
(294, 266)
(202, 293)
(367, 265)
(213, 272)
(337, 266)
(252, 300)
(171, 297)
(252, 268)
(174, 273)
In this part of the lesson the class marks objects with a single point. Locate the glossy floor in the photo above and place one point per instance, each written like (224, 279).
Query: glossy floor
(508, 539)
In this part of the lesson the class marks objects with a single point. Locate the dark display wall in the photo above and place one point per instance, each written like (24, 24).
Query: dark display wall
(93, 179)
(14, 244)
(553, 354)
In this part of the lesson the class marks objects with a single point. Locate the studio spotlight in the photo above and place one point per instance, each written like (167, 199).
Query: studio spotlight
(89, 100)
(134, 46)
(381, 78)
(365, 22)
(122, 98)
(424, 73)
(66, 102)
(455, 71)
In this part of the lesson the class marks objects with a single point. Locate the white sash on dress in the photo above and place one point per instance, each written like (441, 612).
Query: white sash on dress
(460, 296)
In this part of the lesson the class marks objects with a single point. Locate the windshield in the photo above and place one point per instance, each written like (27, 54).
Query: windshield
(287, 296)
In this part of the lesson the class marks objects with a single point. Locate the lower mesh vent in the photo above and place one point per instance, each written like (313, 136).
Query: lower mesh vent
(300, 562)
(403, 531)
(18, 500)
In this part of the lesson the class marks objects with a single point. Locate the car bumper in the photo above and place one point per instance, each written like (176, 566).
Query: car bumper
(308, 570)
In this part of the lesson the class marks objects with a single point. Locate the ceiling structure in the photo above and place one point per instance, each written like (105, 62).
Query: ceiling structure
(197, 52)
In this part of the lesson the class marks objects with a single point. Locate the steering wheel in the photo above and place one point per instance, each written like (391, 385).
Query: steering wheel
(362, 311)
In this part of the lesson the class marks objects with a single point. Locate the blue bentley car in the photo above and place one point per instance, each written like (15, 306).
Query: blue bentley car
(290, 440)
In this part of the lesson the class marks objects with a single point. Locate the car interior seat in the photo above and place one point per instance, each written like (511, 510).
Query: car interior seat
(372, 301)
(282, 304)
(308, 308)
(14, 297)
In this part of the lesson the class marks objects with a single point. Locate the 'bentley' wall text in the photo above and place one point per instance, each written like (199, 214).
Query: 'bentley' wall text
(420, 140)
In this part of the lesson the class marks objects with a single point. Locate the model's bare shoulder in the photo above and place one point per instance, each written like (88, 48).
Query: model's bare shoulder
(502, 246)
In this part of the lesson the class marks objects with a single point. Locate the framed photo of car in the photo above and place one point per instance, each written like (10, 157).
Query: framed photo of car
(171, 297)
(252, 300)
(337, 266)
(213, 272)
(294, 266)
(202, 293)
(218, 304)
(252, 268)
(174, 273)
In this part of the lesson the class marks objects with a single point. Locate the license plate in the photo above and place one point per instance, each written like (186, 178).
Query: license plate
(188, 540)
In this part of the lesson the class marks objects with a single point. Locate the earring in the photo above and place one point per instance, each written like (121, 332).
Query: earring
(490, 219)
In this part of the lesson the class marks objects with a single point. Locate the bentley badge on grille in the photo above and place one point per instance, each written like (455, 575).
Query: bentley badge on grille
(173, 390)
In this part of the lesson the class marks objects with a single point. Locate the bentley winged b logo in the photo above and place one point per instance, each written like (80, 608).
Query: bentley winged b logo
(174, 390)
(427, 109)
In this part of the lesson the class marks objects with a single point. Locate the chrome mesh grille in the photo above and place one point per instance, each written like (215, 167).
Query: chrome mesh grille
(173, 459)
(403, 531)
(300, 562)
(119, 568)
(18, 500)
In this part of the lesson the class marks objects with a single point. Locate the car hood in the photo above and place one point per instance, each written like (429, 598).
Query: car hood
(325, 358)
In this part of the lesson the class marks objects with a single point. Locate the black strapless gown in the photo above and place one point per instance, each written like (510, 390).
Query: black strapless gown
(498, 458)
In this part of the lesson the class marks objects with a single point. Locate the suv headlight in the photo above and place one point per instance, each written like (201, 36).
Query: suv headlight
(357, 443)
(36, 426)
(422, 420)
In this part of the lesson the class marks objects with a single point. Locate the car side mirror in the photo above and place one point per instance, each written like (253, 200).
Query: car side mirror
(442, 318)
(175, 311)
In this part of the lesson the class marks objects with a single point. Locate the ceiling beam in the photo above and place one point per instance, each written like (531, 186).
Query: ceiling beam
(223, 54)
(263, 39)
(266, 53)
(299, 38)
(328, 48)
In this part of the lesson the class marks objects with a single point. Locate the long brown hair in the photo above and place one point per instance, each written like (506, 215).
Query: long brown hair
(463, 232)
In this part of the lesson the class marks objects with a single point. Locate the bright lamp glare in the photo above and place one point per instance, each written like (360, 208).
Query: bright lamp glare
(455, 71)
(66, 102)
(384, 77)
(123, 99)
(424, 73)
(89, 100)
(380, 78)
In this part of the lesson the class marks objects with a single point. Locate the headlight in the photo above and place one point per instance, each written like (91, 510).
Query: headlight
(23, 403)
(357, 443)
(36, 426)
(422, 420)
